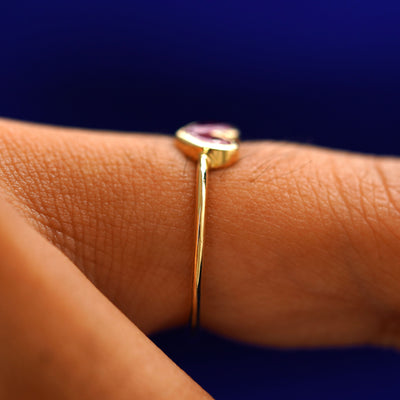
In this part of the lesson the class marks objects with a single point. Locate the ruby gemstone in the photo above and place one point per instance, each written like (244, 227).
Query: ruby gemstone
(209, 132)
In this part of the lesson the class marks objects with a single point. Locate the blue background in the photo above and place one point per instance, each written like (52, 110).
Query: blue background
(322, 72)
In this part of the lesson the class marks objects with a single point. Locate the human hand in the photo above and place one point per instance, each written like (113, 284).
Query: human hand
(301, 242)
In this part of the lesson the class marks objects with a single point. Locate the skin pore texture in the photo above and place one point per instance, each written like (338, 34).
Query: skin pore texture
(301, 242)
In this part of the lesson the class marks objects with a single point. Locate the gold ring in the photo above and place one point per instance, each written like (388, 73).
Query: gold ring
(212, 145)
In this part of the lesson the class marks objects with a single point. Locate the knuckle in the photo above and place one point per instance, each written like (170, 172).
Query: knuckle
(361, 198)
(387, 196)
(366, 191)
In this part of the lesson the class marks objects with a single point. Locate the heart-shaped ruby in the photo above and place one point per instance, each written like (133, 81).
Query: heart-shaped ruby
(210, 132)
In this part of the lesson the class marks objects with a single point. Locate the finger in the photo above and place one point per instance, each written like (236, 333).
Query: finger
(61, 339)
(301, 245)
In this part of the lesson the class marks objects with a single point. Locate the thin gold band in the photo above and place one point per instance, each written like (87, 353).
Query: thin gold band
(201, 191)
(212, 145)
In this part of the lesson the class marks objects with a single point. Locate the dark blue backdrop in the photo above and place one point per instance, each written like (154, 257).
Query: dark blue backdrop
(323, 72)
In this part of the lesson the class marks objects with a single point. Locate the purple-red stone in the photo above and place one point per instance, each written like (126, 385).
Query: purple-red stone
(208, 132)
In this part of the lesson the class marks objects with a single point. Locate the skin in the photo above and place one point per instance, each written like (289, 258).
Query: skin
(62, 339)
(96, 228)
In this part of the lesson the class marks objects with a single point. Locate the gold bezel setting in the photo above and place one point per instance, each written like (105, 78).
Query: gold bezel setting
(219, 141)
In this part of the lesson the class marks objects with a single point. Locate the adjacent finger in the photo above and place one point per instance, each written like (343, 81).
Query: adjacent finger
(60, 338)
